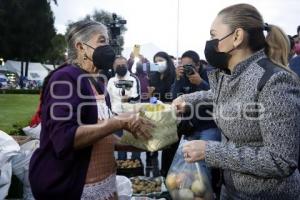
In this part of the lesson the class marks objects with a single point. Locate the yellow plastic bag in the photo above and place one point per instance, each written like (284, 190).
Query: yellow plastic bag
(165, 131)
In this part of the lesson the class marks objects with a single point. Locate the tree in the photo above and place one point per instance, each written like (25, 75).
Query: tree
(26, 29)
(106, 18)
(56, 54)
(55, 2)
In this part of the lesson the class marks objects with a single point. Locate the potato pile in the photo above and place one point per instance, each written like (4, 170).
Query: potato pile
(188, 186)
(128, 164)
(143, 186)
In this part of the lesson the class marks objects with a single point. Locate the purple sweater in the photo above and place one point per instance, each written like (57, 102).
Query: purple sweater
(144, 81)
(57, 170)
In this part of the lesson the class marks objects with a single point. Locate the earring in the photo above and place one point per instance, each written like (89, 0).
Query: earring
(84, 57)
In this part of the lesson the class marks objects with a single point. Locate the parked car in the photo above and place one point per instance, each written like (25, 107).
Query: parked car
(3, 81)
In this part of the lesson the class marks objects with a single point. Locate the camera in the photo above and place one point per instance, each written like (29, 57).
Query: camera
(115, 31)
(150, 67)
(115, 26)
(188, 70)
(124, 84)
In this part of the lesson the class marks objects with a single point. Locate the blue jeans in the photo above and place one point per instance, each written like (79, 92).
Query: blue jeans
(212, 134)
(122, 155)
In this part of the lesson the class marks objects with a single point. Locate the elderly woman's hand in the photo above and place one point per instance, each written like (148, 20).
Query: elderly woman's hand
(194, 150)
(137, 125)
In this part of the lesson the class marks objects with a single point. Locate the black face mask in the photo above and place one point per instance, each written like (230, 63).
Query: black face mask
(121, 70)
(214, 57)
(103, 57)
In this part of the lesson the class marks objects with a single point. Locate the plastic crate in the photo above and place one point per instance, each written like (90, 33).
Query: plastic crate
(131, 172)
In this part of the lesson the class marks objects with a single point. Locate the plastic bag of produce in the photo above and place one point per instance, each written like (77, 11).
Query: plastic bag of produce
(165, 131)
(187, 181)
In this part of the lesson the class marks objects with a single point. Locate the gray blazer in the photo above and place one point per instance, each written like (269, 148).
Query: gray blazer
(260, 130)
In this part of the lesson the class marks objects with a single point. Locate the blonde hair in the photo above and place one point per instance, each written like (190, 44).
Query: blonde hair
(247, 17)
(278, 45)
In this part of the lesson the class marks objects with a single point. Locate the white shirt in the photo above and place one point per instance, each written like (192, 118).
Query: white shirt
(103, 110)
(116, 93)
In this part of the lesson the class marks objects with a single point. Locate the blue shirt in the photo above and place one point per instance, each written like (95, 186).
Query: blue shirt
(295, 65)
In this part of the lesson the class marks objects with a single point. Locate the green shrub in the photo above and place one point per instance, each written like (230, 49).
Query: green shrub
(16, 128)
(15, 91)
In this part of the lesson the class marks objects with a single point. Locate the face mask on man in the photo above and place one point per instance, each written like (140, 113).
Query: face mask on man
(103, 57)
(162, 66)
(121, 70)
(214, 57)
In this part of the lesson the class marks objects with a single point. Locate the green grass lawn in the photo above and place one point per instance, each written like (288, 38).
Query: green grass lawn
(15, 108)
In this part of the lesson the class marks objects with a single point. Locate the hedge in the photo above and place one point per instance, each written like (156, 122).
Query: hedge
(5, 91)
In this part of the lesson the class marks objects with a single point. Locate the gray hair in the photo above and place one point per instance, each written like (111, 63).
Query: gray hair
(82, 31)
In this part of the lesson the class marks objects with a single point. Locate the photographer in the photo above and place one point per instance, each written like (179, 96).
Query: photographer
(190, 75)
(123, 87)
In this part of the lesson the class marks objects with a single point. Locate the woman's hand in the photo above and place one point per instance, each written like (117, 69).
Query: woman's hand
(194, 150)
(138, 126)
(180, 105)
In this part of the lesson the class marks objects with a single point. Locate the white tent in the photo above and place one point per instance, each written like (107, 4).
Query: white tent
(36, 71)
(50, 67)
(147, 50)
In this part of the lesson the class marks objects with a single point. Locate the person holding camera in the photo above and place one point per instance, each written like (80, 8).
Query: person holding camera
(124, 87)
(190, 75)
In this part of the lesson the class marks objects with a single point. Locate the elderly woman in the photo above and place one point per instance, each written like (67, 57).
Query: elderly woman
(75, 159)
(257, 107)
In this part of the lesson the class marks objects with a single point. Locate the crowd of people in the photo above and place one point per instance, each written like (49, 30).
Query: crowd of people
(239, 111)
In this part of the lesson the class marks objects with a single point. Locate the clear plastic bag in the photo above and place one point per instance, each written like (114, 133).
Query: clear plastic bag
(188, 181)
